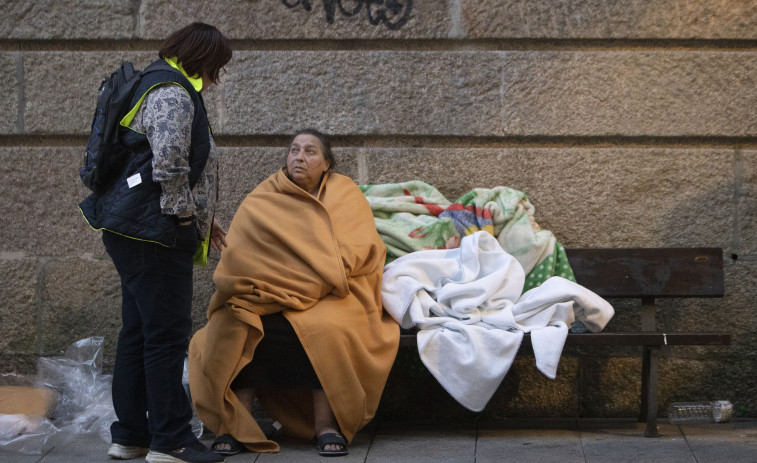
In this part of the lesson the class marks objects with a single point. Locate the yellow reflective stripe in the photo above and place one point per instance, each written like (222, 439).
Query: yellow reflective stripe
(120, 234)
(126, 121)
(173, 62)
(196, 81)
(201, 253)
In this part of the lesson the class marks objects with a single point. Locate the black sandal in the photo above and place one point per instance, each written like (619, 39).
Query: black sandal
(234, 445)
(331, 438)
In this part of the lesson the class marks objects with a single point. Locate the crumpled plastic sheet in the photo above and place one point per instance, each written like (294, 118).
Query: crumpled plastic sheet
(84, 406)
(30, 434)
(84, 401)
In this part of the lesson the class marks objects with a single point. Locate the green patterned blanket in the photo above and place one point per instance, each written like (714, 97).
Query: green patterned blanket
(413, 216)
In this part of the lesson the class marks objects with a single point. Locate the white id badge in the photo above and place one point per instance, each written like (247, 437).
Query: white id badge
(134, 180)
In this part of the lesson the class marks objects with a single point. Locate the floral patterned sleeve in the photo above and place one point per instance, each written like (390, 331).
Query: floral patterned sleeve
(166, 119)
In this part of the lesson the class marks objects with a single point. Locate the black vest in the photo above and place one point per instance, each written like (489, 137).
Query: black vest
(131, 207)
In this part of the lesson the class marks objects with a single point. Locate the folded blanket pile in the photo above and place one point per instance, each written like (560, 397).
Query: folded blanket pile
(414, 216)
(469, 306)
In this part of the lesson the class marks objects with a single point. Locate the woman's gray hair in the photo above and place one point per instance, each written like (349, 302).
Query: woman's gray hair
(325, 146)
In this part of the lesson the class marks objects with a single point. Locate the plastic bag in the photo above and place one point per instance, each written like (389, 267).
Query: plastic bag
(29, 434)
(197, 427)
(84, 401)
(85, 404)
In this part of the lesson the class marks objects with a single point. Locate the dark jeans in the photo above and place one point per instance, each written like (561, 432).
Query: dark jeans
(156, 309)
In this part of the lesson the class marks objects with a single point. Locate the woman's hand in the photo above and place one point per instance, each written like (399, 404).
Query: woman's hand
(217, 236)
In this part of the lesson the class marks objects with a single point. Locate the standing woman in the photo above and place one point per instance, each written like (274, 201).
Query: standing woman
(157, 220)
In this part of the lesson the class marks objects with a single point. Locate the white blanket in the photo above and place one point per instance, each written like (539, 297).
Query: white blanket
(471, 316)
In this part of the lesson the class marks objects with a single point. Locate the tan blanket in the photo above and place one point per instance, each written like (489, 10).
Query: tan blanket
(320, 260)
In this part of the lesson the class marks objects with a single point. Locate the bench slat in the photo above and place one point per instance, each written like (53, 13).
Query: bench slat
(649, 272)
(637, 338)
(643, 338)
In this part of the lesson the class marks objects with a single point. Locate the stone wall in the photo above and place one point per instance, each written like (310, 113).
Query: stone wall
(627, 123)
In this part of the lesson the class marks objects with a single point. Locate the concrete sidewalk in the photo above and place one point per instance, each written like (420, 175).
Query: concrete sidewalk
(517, 440)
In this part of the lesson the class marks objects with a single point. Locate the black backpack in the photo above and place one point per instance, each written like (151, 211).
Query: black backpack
(105, 156)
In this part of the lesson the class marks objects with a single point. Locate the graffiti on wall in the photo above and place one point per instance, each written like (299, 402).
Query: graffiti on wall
(391, 13)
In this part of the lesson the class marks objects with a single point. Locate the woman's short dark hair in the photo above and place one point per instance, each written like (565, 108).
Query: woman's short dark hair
(200, 48)
(325, 145)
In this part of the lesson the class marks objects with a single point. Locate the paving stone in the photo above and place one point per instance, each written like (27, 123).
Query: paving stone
(735, 441)
(624, 441)
(393, 443)
(529, 441)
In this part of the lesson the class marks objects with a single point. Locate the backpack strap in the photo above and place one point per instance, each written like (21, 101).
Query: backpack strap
(160, 73)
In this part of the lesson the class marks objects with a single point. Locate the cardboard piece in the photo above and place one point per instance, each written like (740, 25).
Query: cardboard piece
(27, 401)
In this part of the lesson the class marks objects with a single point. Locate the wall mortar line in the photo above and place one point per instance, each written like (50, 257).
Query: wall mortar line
(20, 93)
(738, 182)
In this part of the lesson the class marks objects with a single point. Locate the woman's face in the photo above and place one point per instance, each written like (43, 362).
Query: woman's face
(306, 162)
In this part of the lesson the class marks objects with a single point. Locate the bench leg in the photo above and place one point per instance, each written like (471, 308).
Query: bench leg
(648, 412)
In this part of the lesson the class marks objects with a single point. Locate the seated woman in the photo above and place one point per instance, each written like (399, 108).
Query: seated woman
(296, 319)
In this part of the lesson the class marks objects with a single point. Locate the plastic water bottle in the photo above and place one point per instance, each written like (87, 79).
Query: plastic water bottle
(719, 411)
(195, 422)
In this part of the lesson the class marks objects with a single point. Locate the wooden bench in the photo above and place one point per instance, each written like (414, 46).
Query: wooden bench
(645, 274)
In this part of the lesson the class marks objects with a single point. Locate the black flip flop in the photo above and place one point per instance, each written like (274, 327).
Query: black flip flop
(234, 445)
(331, 438)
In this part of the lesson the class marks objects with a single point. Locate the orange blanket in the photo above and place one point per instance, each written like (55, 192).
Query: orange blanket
(320, 261)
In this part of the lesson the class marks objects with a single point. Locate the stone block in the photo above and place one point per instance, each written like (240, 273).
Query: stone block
(588, 197)
(41, 191)
(242, 169)
(731, 314)
(81, 297)
(526, 392)
(67, 19)
(285, 20)
(699, 314)
(411, 383)
(9, 93)
(607, 93)
(745, 195)
(453, 93)
(453, 171)
(24, 364)
(713, 378)
(610, 386)
(735, 310)
(599, 19)
(19, 303)
(628, 93)
(70, 111)
(370, 92)
(202, 289)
